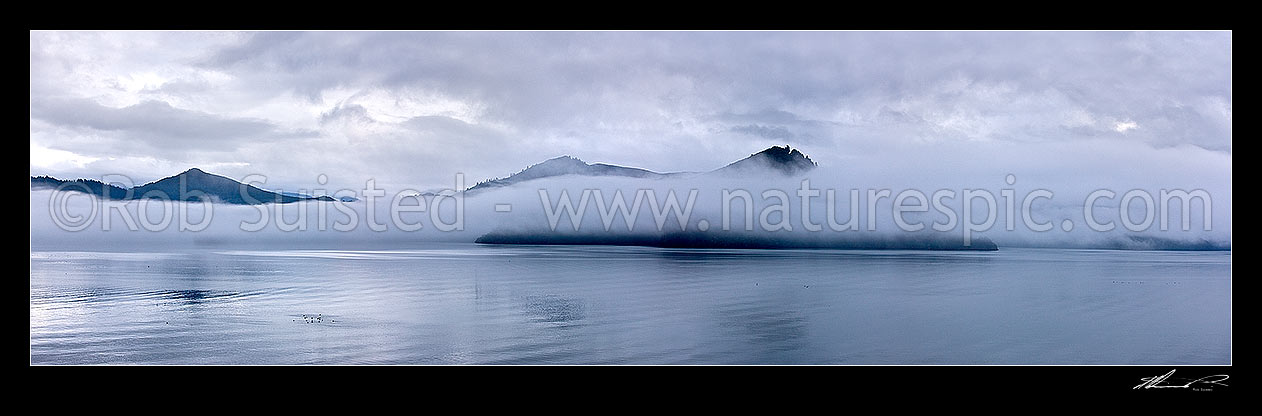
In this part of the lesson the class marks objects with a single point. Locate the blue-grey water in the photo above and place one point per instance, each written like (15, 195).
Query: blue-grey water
(447, 303)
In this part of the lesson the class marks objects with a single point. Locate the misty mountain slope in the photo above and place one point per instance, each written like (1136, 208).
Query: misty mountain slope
(190, 185)
(567, 165)
(783, 160)
(305, 196)
(774, 167)
(91, 186)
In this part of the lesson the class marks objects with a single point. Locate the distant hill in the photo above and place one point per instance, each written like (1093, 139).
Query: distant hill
(566, 165)
(785, 160)
(305, 196)
(191, 185)
(90, 186)
(776, 159)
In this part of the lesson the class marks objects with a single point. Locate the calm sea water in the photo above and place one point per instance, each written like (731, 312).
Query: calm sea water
(473, 304)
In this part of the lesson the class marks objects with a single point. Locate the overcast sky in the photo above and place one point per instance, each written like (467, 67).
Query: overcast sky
(411, 109)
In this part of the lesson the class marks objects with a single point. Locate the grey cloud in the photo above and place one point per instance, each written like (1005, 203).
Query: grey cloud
(439, 144)
(973, 85)
(345, 113)
(1178, 124)
(158, 124)
(766, 132)
(769, 116)
(890, 116)
(351, 114)
(440, 124)
(251, 49)
(181, 87)
(776, 125)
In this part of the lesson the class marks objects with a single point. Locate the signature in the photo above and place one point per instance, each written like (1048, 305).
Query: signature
(1156, 382)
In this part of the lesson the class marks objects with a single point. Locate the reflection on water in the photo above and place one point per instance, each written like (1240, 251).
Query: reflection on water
(464, 303)
(197, 297)
(554, 309)
(766, 335)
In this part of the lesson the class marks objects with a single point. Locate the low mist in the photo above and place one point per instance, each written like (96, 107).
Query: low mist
(1065, 174)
